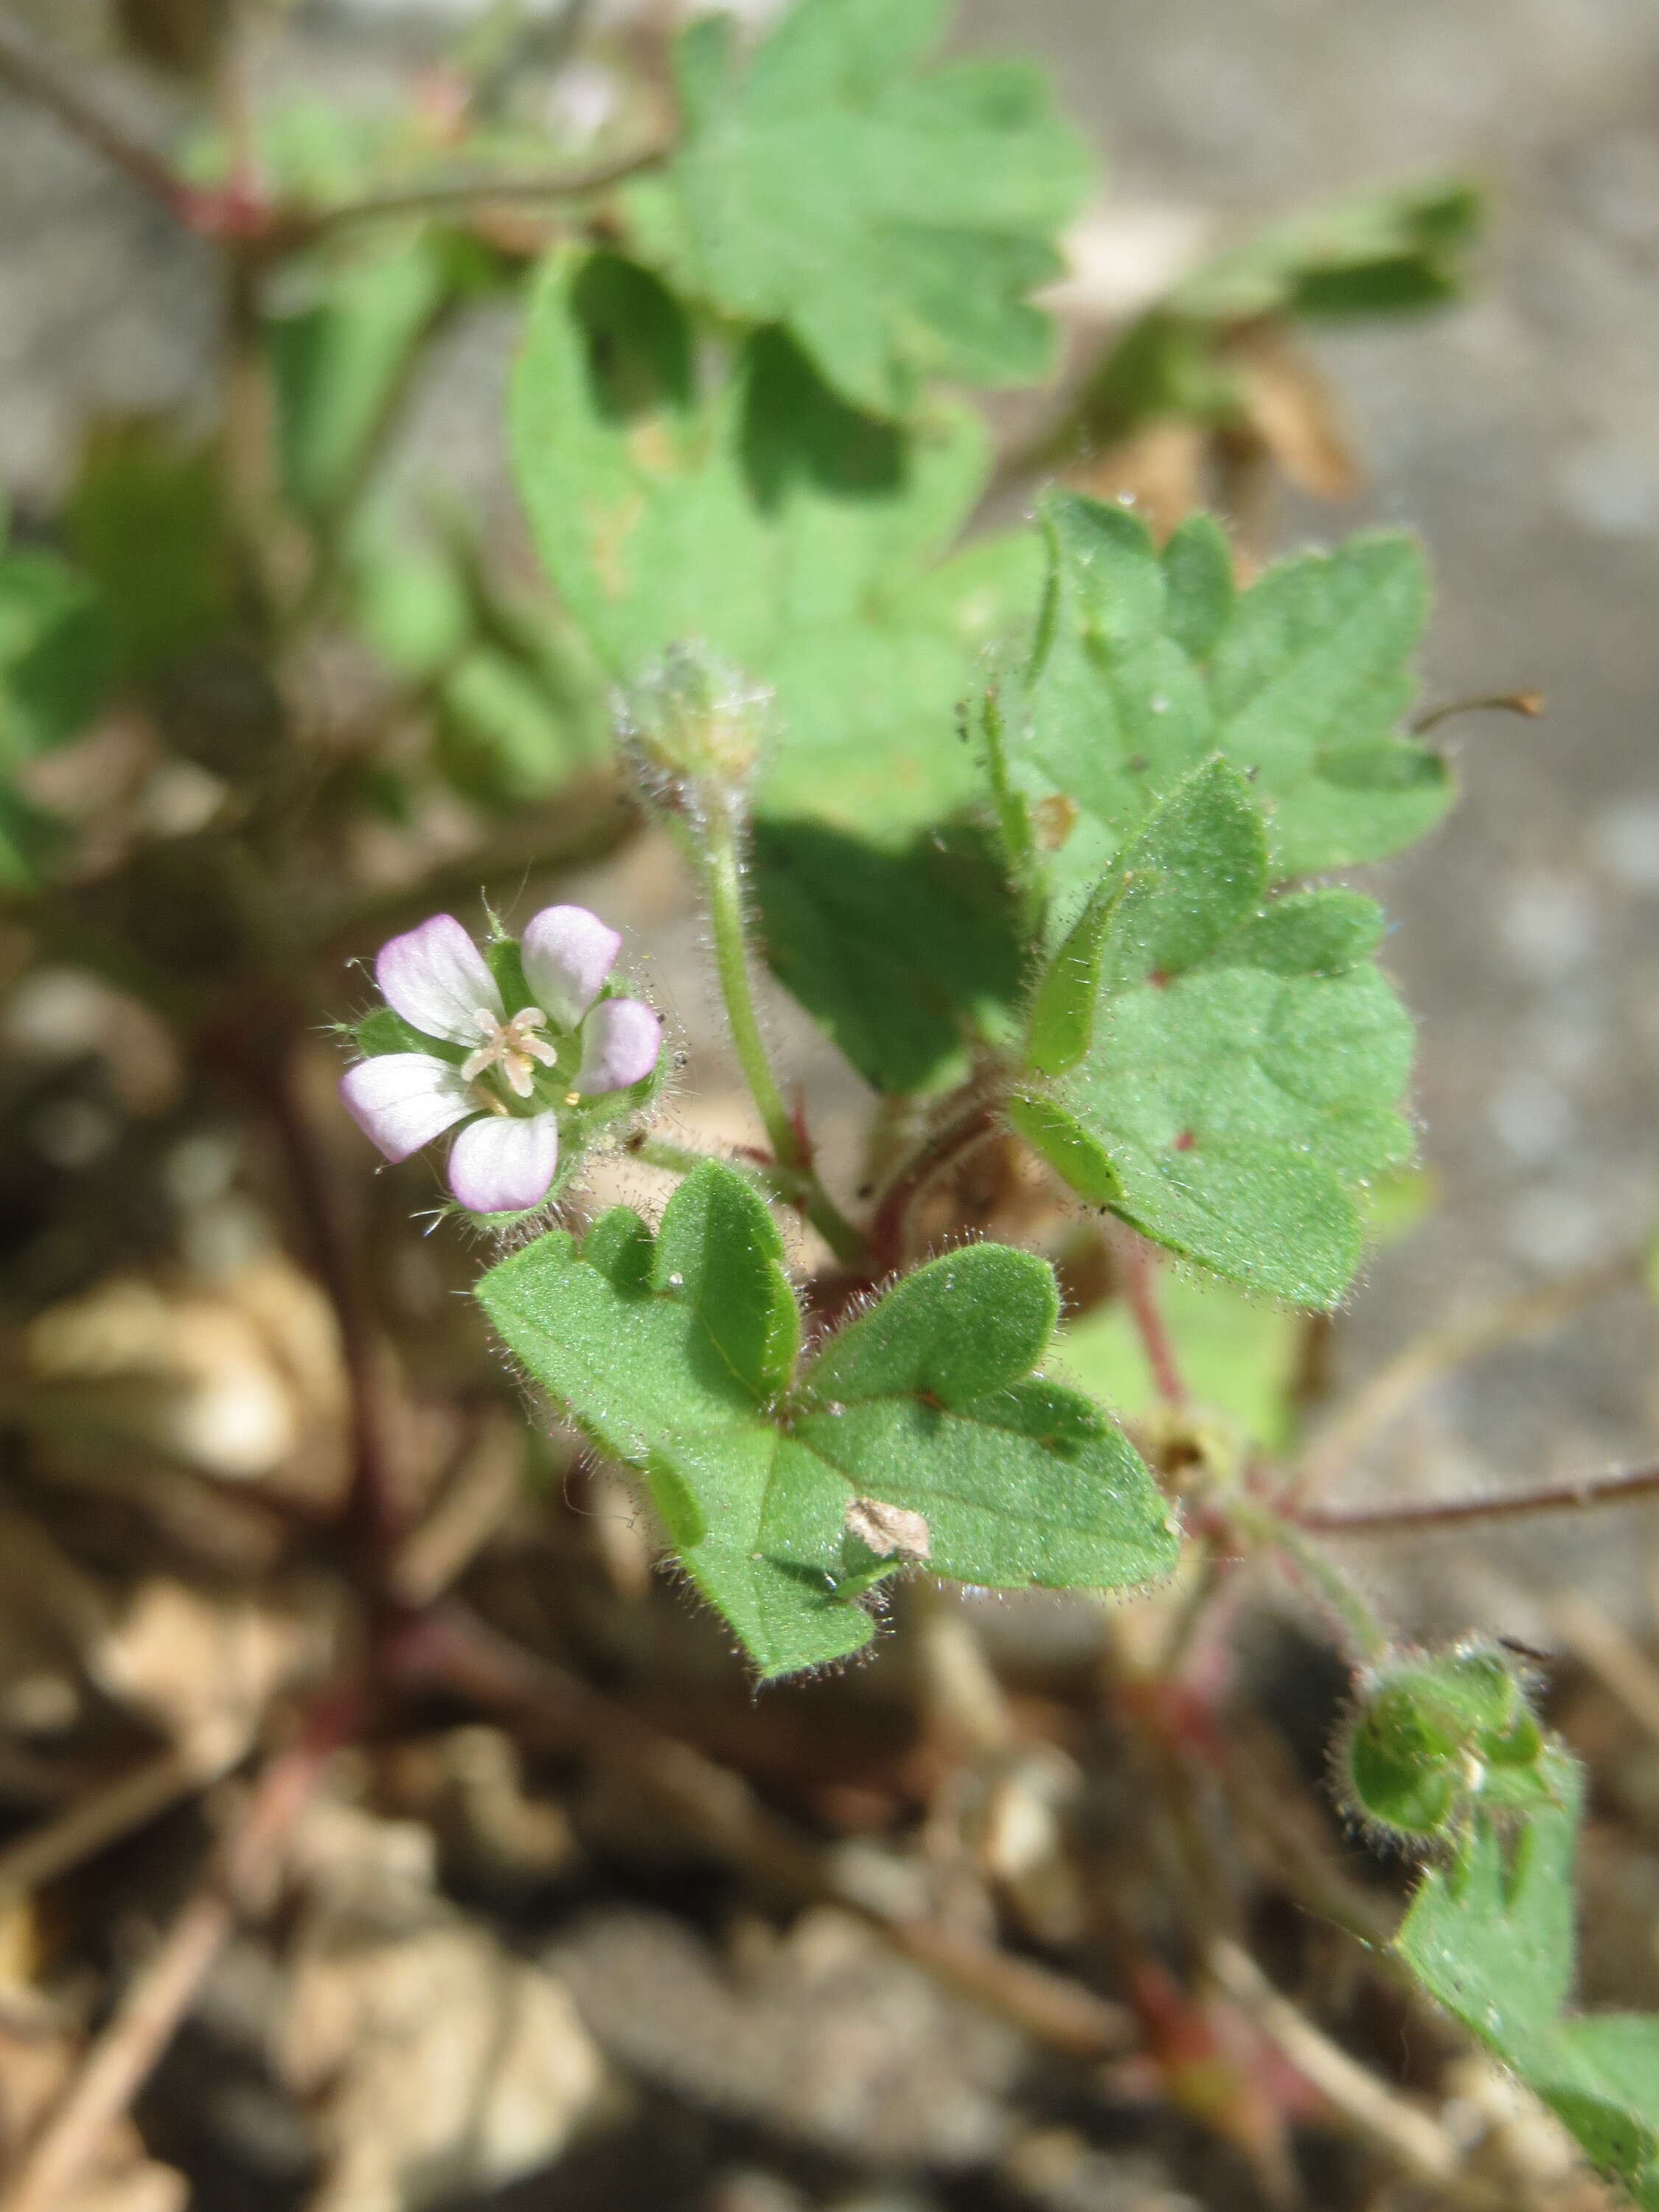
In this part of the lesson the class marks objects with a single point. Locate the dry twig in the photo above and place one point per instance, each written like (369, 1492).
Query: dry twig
(122, 2056)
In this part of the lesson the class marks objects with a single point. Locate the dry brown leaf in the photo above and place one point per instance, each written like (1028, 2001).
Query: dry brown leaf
(1293, 410)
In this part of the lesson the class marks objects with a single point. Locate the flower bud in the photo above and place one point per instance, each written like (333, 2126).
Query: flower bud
(696, 726)
(1435, 1735)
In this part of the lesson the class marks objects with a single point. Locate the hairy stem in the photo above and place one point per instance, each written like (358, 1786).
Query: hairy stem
(1365, 1630)
(721, 865)
(456, 195)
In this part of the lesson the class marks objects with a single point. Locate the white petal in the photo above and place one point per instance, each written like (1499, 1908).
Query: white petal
(501, 1166)
(403, 1100)
(621, 1040)
(435, 977)
(567, 954)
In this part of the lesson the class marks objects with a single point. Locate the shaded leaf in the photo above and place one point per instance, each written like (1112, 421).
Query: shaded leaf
(339, 360)
(759, 519)
(1379, 253)
(54, 653)
(146, 520)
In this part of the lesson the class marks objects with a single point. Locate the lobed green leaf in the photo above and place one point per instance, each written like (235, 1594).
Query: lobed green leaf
(1490, 1938)
(894, 218)
(1224, 1068)
(1143, 665)
(759, 519)
(677, 1355)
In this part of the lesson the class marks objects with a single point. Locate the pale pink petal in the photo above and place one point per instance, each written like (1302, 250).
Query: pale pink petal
(503, 1166)
(403, 1100)
(567, 954)
(621, 1040)
(435, 977)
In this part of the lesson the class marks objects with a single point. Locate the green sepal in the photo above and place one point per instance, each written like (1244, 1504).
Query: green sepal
(381, 1030)
(1434, 1736)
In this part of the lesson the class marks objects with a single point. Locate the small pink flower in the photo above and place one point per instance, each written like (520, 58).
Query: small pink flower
(567, 1045)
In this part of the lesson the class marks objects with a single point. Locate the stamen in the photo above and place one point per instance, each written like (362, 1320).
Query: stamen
(513, 1048)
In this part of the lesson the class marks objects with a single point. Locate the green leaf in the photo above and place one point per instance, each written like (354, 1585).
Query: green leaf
(1377, 253)
(520, 703)
(1490, 1938)
(29, 839)
(1238, 1082)
(894, 219)
(54, 653)
(1142, 665)
(677, 1356)
(756, 517)
(1381, 254)
(1198, 576)
(896, 948)
(1308, 679)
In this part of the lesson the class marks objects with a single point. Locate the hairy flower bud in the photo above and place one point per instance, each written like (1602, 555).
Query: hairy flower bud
(1435, 1735)
(697, 727)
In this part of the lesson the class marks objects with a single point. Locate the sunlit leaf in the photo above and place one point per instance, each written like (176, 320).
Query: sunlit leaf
(677, 1355)
(894, 218)
(1491, 1937)
(1231, 1064)
(1143, 665)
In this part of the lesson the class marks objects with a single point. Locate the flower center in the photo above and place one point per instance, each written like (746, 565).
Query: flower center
(512, 1046)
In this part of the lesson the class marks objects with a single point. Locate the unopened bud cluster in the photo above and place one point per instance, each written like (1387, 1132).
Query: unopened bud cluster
(697, 730)
(1436, 1736)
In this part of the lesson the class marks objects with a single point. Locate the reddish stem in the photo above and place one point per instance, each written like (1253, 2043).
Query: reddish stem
(1561, 1497)
(24, 72)
(890, 1231)
(373, 1516)
(1140, 1290)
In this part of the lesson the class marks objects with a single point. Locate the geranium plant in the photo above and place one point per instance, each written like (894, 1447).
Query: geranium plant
(1040, 824)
